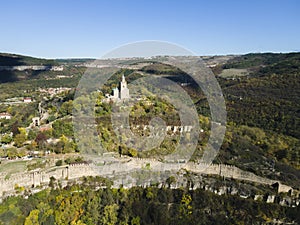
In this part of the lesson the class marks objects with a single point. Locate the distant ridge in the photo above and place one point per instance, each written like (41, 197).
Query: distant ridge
(8, 59)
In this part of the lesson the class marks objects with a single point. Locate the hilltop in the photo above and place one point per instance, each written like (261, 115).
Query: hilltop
(261, 93)
(260, 152)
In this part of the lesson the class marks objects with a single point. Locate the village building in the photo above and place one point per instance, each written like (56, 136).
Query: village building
(27, 100)
(5, 115)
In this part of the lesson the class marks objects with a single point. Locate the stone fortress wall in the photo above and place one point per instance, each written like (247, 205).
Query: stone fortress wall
(118, 167)
(39, 177)
(169, 130)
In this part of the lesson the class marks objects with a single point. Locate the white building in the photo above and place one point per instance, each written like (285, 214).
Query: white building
(27, 100)
(120, 93)
(124, 91)
(5, 115)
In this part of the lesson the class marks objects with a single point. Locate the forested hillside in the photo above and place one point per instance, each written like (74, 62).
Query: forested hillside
(81, 204)
(262, 95)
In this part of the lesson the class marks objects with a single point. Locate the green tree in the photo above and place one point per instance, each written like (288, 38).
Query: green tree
(22, 152)
(110, 216)
(31, 135)
(12, 153)
(62, 127)
(185, 209)
(65, 145)
(33, 218)
(170, 180)
(66, 108)
(59, 162)
(69, 210)
(132, 152)
(92, 213)
(136, 220)
(6, 138)
(2, 152)
(20, 138)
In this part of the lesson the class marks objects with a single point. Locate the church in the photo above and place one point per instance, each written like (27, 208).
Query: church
(120, 93)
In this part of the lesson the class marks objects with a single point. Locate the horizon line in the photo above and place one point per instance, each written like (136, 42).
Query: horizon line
(97, 58)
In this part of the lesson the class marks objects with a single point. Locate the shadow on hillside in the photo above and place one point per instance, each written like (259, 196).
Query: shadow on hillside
(10, 61)
(6, 75)
(12, 76)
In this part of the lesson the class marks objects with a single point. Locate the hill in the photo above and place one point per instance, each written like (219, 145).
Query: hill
(261, 92)
(15, 67)
(7, 59)
(262, 105)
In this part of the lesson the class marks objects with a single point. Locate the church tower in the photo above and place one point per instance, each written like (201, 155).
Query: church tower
(124, 91)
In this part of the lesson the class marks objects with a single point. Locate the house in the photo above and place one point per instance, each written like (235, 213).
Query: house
(27, 100)
(5, 115)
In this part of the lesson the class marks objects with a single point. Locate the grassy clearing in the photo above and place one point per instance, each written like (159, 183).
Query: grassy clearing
(13, 167)
(234, 73)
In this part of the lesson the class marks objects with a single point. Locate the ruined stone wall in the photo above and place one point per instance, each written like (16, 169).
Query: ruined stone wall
(38, 177)
(111, 169)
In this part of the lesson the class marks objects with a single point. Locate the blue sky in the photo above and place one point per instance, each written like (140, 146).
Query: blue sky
(59, 29)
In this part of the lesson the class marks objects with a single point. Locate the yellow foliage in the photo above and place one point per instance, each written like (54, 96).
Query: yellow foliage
(33, 218)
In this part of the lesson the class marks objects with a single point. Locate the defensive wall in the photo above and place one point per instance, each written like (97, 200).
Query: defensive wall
(117, 167)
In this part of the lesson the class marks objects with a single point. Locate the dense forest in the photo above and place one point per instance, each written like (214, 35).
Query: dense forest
(269, 94)
(82, 204)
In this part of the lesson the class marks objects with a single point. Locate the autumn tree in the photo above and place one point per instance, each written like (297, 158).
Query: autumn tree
(41, 140)
(20, 138)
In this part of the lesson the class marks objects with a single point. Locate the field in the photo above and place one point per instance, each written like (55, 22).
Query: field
(12, 167)
(228, 73)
